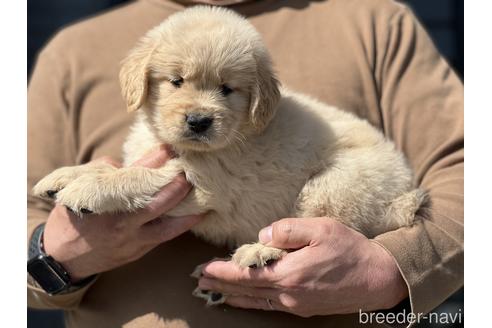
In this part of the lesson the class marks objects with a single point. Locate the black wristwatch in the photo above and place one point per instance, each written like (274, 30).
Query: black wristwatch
(48, 274)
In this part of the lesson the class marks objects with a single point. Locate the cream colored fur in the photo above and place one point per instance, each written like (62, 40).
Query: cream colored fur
(270, 153)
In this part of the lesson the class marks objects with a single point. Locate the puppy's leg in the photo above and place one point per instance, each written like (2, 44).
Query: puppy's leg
(256, 255)
(122, 190)
(51, 184)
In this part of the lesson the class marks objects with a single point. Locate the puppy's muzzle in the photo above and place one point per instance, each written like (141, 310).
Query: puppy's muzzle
(198, 123)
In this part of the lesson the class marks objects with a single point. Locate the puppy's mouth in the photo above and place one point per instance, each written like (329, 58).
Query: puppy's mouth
(197, 137)
(197, 141)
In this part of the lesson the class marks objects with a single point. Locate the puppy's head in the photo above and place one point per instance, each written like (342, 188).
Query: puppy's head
(204, 79)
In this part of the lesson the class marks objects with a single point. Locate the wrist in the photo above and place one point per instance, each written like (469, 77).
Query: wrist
(45, 272)
(385, 280)
(61, 256)
(76, 275)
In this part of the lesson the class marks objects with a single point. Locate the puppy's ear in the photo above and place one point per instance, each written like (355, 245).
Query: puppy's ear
(265, 94)
(134, 74)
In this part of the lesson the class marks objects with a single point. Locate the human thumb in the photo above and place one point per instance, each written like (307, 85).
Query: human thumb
(288, 234)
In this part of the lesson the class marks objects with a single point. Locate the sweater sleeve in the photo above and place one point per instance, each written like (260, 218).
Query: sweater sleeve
(421, 101)
(51, 144)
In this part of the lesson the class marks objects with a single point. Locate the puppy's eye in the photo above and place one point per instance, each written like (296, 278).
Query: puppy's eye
(177, 82)
(225, 90)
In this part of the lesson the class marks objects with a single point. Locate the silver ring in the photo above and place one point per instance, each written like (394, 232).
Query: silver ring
(270, 305)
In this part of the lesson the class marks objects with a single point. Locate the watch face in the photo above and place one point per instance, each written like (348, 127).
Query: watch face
(45, 275)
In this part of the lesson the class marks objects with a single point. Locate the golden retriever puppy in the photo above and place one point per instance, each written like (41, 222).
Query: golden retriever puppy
(202, 82)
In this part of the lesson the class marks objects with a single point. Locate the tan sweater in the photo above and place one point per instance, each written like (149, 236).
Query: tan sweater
(368, 57)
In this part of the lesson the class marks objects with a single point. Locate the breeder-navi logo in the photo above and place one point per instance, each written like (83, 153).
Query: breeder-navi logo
(410, 317)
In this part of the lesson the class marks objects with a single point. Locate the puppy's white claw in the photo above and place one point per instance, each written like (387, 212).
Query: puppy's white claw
(197, 272)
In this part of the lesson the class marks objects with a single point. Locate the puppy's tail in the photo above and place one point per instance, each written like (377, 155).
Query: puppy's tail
(401, 211)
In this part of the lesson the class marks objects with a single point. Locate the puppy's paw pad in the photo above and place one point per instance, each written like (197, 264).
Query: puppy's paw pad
(256, 255)
(85, 211)
(51, 193)
(212, 298)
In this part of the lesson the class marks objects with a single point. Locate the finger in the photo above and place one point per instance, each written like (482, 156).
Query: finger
(247, 302)
(238, 290)
(165, 200)
(167, 228)
(108, 160)
(289, 233)
(229, 272)
(156, 158)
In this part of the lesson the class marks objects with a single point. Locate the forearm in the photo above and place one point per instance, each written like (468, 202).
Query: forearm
(422, 110)
(430, 253)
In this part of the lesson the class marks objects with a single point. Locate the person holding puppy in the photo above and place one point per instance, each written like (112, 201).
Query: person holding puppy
(389, 74)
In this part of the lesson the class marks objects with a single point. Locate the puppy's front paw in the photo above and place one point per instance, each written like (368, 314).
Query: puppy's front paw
(212, 298)
(256, 255)
(83, 196)
(50, 185)
(99, 193)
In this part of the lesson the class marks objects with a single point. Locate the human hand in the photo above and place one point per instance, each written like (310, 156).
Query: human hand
(333, 270)
(98, 243)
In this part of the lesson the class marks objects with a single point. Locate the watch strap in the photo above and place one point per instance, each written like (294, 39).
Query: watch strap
(36, 242)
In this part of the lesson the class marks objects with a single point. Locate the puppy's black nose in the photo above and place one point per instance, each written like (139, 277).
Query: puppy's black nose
(198, 123)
